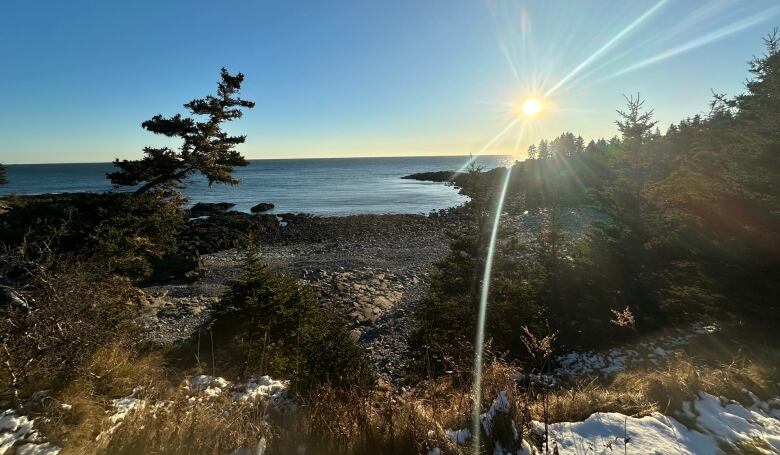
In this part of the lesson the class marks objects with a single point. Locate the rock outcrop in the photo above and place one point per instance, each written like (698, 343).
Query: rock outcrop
(210, 208)
(262, 207)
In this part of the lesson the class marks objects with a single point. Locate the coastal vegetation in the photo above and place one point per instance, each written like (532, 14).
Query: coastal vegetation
(205, 148)
(686, 228)
(267, 323)
(681, 238)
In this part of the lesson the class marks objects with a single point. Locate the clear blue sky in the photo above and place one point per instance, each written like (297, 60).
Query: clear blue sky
(359, 77)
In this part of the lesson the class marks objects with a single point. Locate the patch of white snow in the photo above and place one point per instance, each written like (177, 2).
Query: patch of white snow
(17, 431)
(459, 437)
(714, 423)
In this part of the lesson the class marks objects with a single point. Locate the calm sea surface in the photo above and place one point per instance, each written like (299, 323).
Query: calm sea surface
(342, 186)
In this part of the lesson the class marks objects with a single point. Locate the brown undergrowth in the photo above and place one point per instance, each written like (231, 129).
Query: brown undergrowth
(355, 421)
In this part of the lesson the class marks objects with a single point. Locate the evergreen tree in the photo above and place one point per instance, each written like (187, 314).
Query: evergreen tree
(532, 152)
(579, 145)
(3, 178)
(591, 147)
(205, 148)
(544, 150)
(634, 124)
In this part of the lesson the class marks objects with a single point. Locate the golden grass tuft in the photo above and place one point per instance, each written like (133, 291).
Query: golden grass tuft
(682, 377)
(213, 426)
(112, 372)
(333, 421)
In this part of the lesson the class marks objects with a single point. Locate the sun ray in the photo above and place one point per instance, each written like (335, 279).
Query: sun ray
(703, 40)
(605, 47)
(489, 144)
(509, 59)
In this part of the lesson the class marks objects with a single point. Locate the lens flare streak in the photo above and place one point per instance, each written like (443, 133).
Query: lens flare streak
(703, 40)
(605, 47)
(490, 143)
(483, 302)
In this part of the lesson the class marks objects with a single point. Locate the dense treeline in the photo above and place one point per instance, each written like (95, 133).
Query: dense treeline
(687, 227)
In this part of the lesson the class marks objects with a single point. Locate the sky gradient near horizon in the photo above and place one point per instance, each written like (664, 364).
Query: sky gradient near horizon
(360, 78)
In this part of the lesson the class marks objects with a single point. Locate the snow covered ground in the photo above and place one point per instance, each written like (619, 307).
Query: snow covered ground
(264, 388)
(199, 389)
(648, 351)
(17, 434)
(712, 424)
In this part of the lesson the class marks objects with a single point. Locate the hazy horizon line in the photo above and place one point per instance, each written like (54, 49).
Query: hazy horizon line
(279, 159)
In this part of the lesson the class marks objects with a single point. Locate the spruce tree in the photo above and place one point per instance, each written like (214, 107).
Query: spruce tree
(544, 150)
(579, 145)
(635, 125)
(205, 149)
(532, 152)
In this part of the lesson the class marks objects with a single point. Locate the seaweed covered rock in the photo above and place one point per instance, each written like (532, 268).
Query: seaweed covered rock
(262, 207)
(210, 208)
(227, 230)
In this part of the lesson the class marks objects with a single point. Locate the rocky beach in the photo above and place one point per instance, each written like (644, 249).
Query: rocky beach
(372, 269)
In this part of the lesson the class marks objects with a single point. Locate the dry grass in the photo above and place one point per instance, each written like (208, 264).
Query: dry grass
(682, 377)
(354, 422)
(643, 391)
(112, 372)
(413, 422)
(214, 426)
(167, 422)
(581, 399)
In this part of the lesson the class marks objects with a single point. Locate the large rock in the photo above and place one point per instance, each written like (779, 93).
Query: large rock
(183, 266)
(210, 208)
(262, 207)
(227, 230)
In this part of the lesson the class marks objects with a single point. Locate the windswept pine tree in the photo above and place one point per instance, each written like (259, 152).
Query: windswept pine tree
(205, 149)
(3, 178)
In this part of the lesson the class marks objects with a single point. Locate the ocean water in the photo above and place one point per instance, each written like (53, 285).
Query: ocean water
(342, 186)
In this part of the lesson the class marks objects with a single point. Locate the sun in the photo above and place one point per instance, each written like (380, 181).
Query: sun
(531, 107)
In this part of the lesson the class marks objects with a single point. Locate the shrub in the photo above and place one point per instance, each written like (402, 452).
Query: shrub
(55, 313)
(271, 324)
(129, 233)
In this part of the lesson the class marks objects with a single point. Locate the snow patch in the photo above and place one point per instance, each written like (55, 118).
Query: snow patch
(17, 431)
(715, 423)
(525, 449)
(734, 424)
(500, 405)
(612, 361)
(210, 386)
(123, 406)
(459, 437)
(265, 388)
